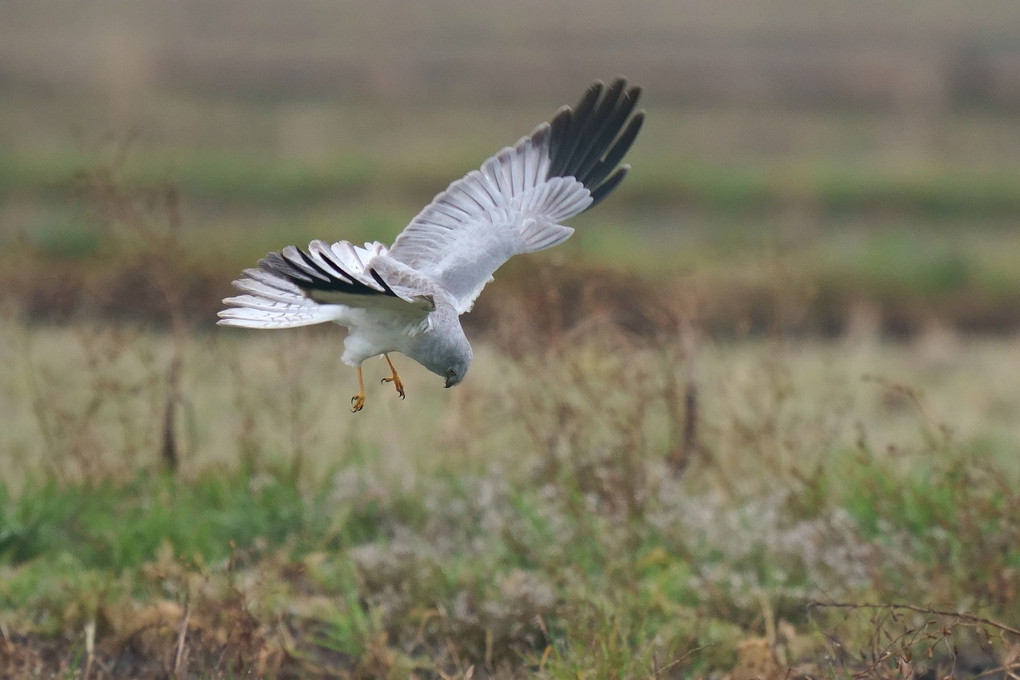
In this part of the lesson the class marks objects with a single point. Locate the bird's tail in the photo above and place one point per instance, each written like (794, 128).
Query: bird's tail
(270, 301)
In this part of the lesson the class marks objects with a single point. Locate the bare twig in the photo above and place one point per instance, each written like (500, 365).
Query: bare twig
(962, 616)
(170, 454)
(682, 456)
(181, 635)
(149, 218)
(1008, 669)
(90, 647)
(660, 670)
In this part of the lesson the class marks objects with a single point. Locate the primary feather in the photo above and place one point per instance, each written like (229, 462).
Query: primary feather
(514, 203)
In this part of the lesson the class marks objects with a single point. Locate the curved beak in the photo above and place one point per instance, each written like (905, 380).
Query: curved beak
(448, 383)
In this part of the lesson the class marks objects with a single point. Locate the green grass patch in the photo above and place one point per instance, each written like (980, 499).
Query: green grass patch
(116, 526)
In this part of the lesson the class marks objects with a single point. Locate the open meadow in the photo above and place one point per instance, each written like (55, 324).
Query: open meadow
(562, 513)
(758, 418)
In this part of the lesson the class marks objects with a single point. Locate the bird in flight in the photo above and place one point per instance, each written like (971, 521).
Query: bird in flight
(408, 298)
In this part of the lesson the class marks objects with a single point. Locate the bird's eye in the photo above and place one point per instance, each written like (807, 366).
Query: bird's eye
(452, 373)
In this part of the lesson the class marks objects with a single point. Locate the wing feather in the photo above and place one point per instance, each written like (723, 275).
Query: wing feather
(515, 201)
(296, 287)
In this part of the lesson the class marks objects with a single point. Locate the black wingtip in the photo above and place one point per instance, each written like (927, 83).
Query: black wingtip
(378, 279)
(588, 141)
(298, 267)
(275, 263)
(604, 189)
(612, 159)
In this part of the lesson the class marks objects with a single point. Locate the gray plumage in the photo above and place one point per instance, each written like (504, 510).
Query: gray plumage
(408, 298)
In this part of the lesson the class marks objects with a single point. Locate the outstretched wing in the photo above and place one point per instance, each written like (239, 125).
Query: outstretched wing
(296, 287)
(515, 202)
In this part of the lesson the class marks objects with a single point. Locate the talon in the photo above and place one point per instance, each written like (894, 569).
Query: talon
(358, 400)
(397, 383)
(395, 379)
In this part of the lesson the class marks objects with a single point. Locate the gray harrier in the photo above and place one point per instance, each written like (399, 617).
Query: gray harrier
(408, 298)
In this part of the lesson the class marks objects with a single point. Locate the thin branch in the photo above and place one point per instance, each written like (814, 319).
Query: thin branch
(90, 647)
(962, 616)
(181, 635)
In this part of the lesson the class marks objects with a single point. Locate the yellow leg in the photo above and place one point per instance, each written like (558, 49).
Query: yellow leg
(358, 400)
(395, 379)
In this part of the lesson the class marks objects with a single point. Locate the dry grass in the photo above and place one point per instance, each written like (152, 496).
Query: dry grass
(610, 494)
(529, 522)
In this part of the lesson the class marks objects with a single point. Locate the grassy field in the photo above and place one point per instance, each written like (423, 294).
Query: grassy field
(553, 516)
(757, 419)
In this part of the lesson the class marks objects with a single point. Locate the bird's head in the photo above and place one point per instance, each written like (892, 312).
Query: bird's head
(444, 349)
(451, 363)
(458, 369)
(455, 360)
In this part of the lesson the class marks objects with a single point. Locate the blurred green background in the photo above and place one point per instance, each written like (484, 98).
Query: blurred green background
(872, 146)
